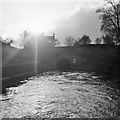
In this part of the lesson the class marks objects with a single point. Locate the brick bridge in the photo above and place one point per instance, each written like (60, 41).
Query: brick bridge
(87, 58)
(19, 63)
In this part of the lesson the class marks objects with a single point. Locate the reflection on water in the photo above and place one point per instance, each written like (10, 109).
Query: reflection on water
(61, 94)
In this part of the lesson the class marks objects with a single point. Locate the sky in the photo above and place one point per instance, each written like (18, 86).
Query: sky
(62, 17)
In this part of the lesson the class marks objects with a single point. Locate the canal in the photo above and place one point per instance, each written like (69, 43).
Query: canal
(55, 94)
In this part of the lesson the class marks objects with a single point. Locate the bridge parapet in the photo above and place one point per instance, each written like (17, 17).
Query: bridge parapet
(79, 58)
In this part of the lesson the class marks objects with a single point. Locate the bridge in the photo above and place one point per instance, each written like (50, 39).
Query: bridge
(23, 63)
(55, 93)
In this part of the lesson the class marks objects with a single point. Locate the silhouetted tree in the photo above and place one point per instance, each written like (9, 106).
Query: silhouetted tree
(69, 41)
(85, 39)
(108, 40)
(98, 41)
(110, 19)
(78, 42)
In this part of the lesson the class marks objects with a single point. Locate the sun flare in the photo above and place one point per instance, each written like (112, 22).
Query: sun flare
(39, 27)
(35, 18)
(63, 18)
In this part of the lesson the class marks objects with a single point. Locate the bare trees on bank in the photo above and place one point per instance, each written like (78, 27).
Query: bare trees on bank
(109, 15)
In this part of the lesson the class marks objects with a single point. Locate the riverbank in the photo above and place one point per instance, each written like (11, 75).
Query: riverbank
(55, 94)
(112, 80)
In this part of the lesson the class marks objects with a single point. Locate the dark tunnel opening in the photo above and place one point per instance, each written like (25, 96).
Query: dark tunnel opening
(63, 64)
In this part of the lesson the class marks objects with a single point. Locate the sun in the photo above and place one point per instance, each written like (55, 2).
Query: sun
(36, 28)
(33, 17)
(39, 26)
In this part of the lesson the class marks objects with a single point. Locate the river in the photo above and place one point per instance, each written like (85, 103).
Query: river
(55, 94)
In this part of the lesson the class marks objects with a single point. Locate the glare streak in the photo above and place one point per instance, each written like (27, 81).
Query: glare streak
(36, 57)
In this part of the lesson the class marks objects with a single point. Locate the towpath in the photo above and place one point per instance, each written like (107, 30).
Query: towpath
(61, 94)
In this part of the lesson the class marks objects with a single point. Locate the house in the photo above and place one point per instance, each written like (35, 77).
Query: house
(41, 40)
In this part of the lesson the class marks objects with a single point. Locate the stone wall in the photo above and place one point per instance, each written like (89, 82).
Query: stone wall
(96, 58)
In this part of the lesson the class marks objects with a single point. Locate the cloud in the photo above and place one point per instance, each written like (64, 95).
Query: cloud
(64, 19)
(81, 5)
(49, 0)
(79, 21)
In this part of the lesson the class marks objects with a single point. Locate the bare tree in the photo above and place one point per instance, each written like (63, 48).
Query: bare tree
(110, 19)
(69, 41)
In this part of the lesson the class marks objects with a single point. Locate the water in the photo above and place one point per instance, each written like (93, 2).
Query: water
(61, 94)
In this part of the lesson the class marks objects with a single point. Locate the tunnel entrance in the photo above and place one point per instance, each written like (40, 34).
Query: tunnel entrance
(63, 64)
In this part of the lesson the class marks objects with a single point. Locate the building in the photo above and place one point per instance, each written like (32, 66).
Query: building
(31, 40)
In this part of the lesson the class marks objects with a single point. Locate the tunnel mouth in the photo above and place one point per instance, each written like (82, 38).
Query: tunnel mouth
(63, 64)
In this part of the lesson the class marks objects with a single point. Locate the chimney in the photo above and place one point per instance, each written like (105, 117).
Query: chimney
(25, 33)
(53, 35)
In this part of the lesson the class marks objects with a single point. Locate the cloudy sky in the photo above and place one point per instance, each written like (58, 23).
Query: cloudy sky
(62, 17)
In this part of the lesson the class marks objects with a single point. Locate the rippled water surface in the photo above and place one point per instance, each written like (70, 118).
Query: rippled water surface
(61, 94)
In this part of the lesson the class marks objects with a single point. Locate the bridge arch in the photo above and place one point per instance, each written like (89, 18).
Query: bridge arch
(63, 64)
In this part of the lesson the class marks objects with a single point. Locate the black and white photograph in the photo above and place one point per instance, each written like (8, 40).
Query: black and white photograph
(60, 59)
